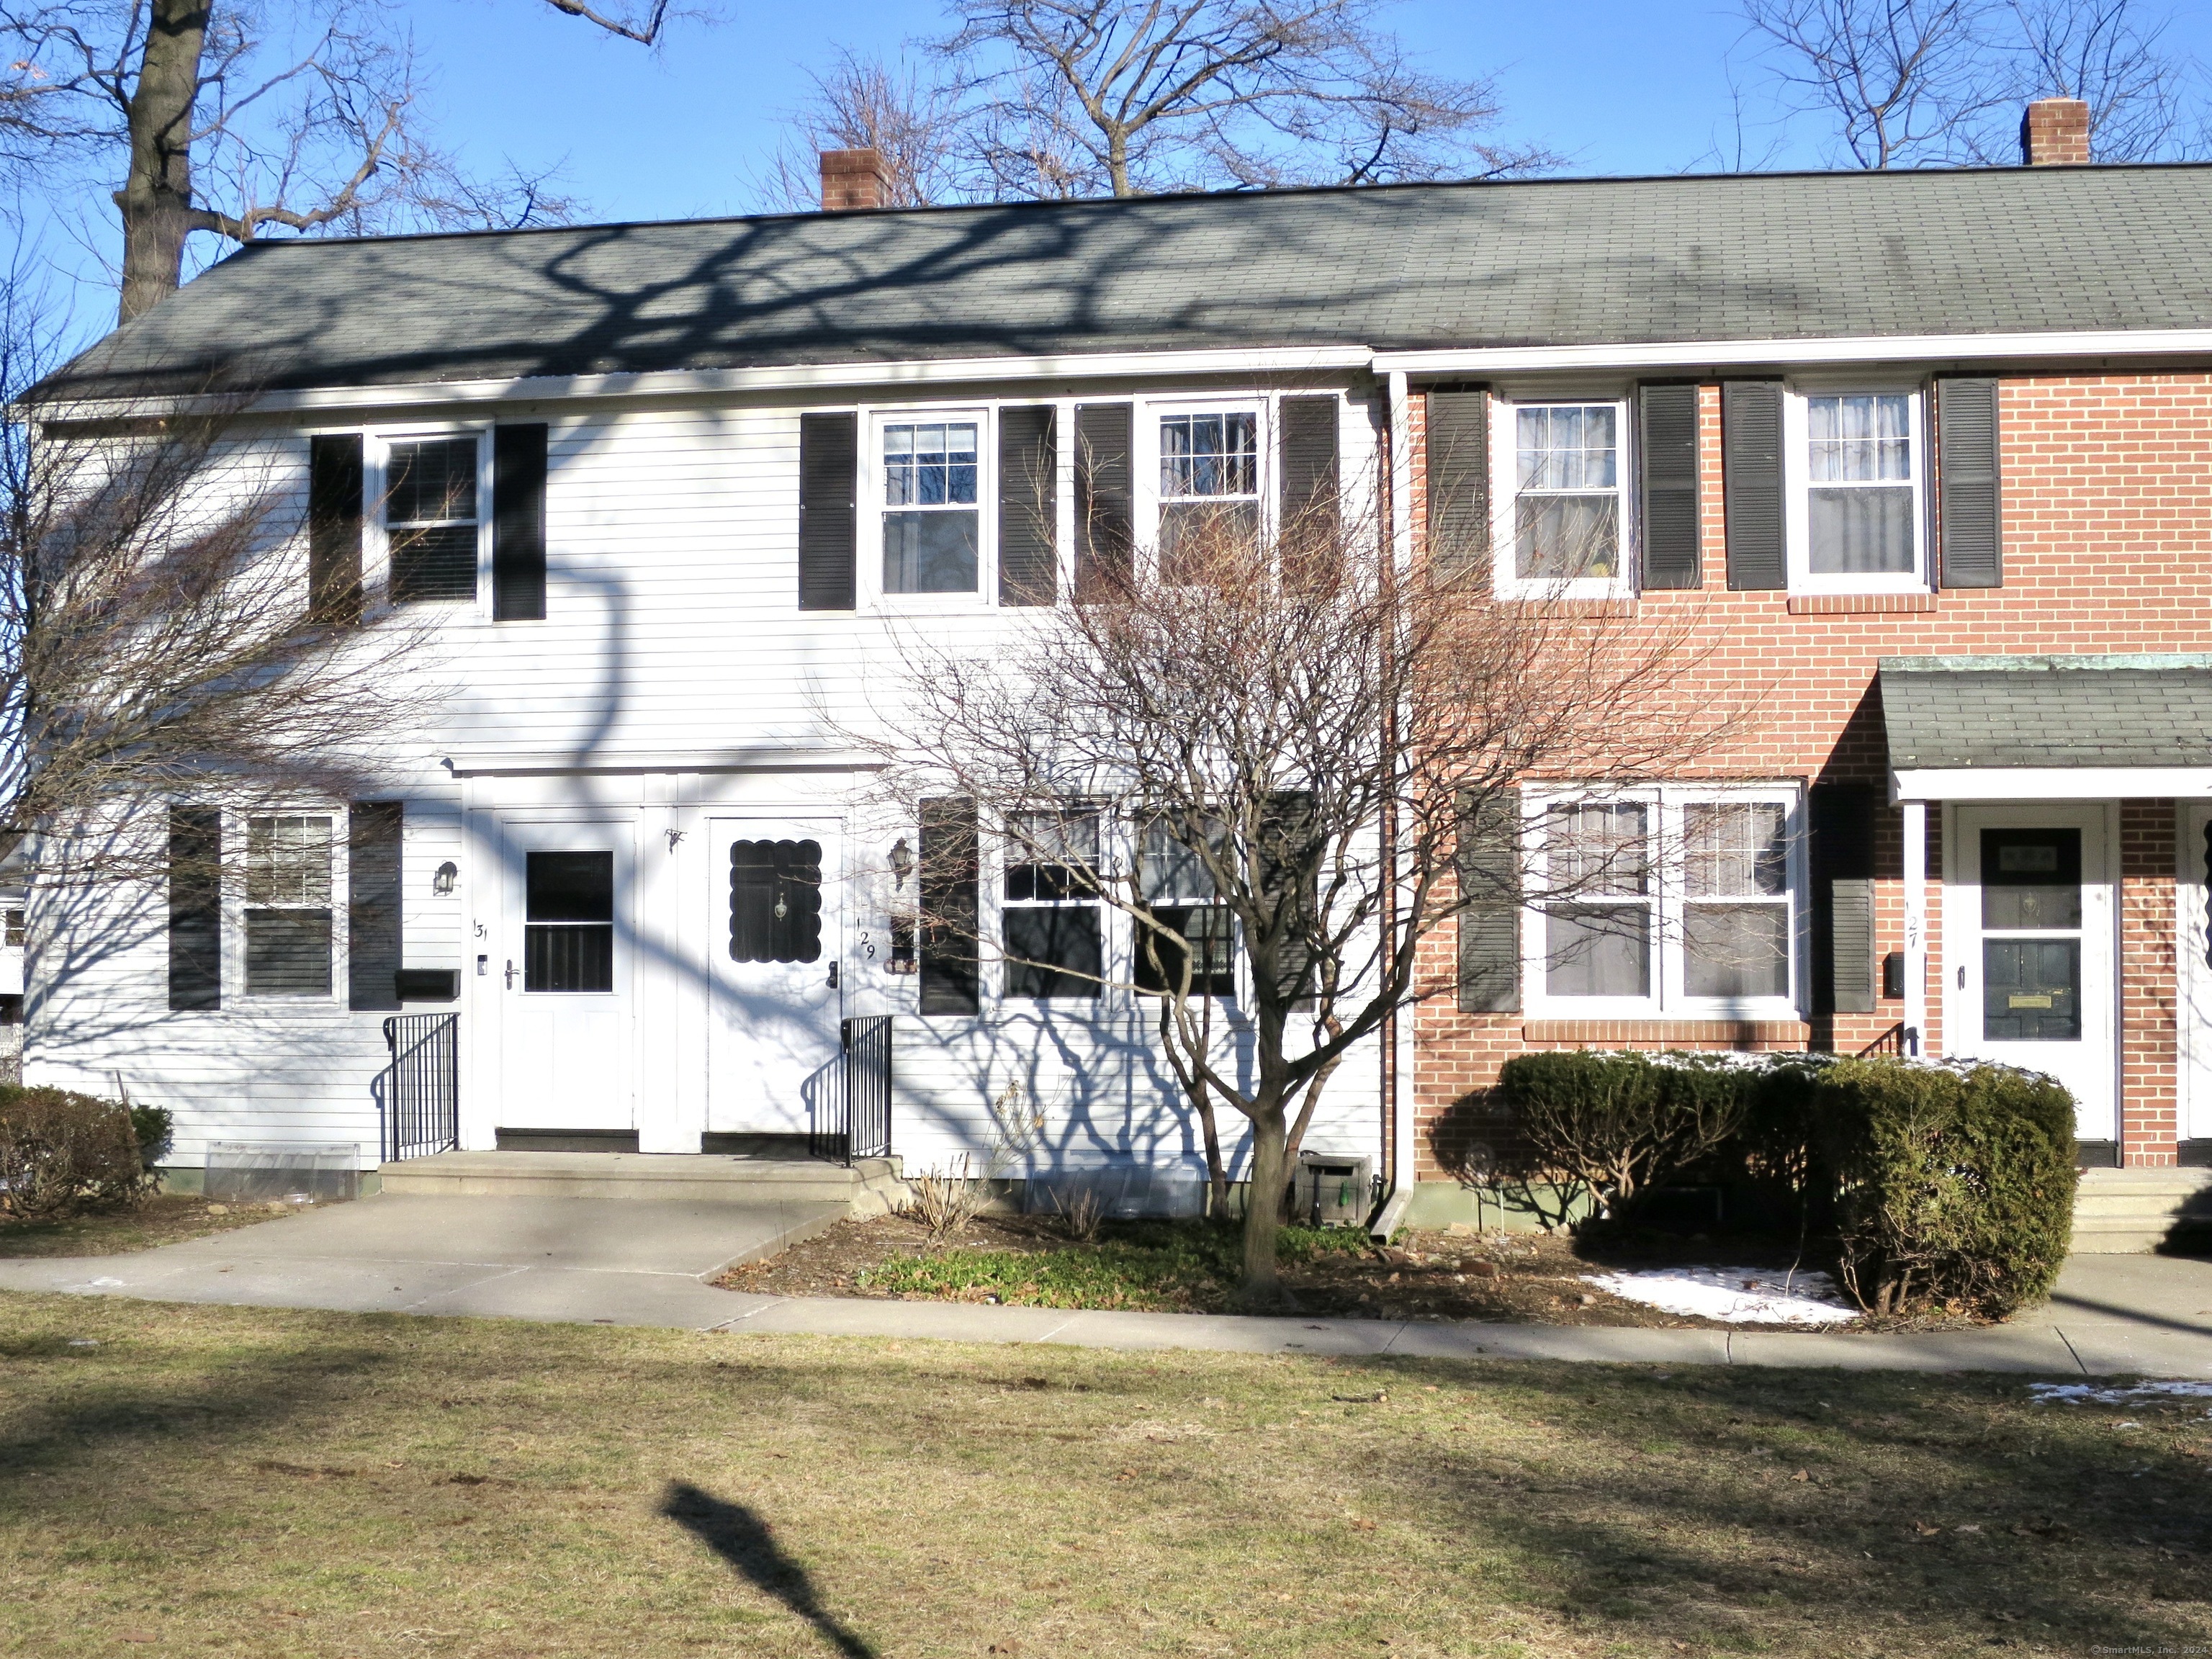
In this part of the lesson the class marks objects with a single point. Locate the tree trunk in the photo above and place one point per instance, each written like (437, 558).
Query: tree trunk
(156, 197)
(1117, 162)
(1263, 1210)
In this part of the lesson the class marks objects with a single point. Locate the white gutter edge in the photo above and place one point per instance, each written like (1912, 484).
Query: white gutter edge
(2040, 783)
(1718, 354)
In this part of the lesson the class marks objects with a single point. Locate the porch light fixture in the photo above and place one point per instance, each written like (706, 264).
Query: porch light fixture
(901, 863)
(441, 883)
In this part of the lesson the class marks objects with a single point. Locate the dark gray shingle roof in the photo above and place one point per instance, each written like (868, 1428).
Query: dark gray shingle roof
(1959, 712)
(1566, 262)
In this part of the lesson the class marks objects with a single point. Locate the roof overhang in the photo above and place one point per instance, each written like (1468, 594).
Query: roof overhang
(1801, 352)
(2105, 728)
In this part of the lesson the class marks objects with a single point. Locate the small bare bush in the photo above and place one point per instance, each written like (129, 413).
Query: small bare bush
(947, 1201)
(1081, 1211)
(63, 1154)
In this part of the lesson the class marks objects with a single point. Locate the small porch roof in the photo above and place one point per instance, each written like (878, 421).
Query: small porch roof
(2048, 727)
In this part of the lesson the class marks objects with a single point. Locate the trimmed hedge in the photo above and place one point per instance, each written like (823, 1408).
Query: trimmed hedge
(1946, 1184)
(1951, 1185)
(63, 1154)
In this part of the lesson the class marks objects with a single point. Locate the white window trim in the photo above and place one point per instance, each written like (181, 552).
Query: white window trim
(1145, 497)
(868, 539)
(1797, 480)
(1667, 1000)
(234, 907)
(1001, 865)
(1504, 480)
(376, 541)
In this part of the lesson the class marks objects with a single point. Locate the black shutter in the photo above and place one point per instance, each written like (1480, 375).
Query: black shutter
(1842, 865)
(1490, 921)
(518, 525)
(375, 942)
(195, 907)
(1458, 444)
(1967, 469)
(1306, 486)
(1290, 866)
(1669, 449)
(828, 472)
(334, 516)
(1028, 505)
(1105, 507)
(951, 978)
(1750, 456)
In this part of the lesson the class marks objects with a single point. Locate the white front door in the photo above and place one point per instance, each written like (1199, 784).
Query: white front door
(2028, 926)
(563, 973)
(776, 945)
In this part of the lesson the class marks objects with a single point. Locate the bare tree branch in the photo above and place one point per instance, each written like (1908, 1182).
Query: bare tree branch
(642, 25)
(913, 124)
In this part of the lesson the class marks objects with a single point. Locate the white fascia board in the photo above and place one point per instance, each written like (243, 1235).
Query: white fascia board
(764, 758)
(2053, 783)
(821, 377)
(1723, 354)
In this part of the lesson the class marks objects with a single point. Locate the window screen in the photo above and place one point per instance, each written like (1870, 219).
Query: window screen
(1179, 891)
(931, 523)
(1597, 942)
(430, 517)
(775, 901)
(1566, 502)
(1209, 489)
(569, 934)
(1735, 923)
(1859, 509)
(287, 906)
(1053, 943)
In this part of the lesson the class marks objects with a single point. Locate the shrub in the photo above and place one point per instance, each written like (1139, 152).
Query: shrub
(1615, 1125)
(156, 1131)
(1953, 1184)
(62, 1154)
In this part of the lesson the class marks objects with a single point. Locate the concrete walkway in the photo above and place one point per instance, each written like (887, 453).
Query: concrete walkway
(646, 1262)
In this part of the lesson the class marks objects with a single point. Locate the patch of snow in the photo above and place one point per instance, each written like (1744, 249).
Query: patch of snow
(107, 1283)
(2089, 1394)
(1736, 1296)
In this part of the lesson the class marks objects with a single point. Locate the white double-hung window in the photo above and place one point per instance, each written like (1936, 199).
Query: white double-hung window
(1559, 472)
(1669, 901)
(1208, 484)
(288, 941)
(1855, 463)
(434, 492)
(931, 472)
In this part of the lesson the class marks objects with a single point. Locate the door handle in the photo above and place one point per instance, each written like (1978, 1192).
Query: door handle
(833, 976)
(1962, 977)
(510, 973)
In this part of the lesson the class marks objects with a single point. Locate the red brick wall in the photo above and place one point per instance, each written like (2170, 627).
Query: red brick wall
(2108, 530)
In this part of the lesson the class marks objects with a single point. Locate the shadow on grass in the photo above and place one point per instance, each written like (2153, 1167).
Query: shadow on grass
(1709, 1507)
(742, 1538)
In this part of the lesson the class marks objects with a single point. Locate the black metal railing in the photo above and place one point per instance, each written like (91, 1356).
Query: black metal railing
(855, 1119)
(418, 1095)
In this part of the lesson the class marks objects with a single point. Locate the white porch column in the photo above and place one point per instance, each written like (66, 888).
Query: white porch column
(1916, 926)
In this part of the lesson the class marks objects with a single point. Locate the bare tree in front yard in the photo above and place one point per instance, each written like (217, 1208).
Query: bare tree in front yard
(1267, 749)
(158, 637)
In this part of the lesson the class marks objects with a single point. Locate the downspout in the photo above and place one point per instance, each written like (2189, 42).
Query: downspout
(1396, 1035)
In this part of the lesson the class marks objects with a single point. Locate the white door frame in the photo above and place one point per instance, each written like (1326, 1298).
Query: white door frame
(2192, 929)
(2094, 1073)
(494, 997)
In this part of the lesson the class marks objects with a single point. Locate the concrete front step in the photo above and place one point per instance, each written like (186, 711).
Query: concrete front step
(2122, 1212)
(870, 1187)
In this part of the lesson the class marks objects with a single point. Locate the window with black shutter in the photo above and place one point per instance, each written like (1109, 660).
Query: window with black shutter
(1752, 491)
(517, 536)
(829, 473)
(1490, 900)
(194, 908)
(374, 942)
(1054, 945)
(1105, 547)
(1307, 488)
(431, 517)
(334, 484)
(1971, 547)
(1457, 445)
(1841, 859)
(951, 980)
(1669, 451)
(287, 905)
(1028, 505)
(775, 901)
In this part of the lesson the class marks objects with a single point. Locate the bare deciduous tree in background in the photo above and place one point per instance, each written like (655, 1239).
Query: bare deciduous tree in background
(156, 634)
(1057, 99)
(235, 120)
(1931, 82)
(1282, 743)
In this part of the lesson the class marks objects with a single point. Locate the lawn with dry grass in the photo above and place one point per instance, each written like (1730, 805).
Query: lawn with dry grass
(164, 1218)
(217, 1481)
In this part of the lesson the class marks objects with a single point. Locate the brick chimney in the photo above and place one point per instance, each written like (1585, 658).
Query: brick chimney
(852, 179)
(2054, 132)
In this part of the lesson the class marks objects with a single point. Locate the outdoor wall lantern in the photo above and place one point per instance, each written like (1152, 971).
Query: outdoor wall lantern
(901, 863)
(441, 884)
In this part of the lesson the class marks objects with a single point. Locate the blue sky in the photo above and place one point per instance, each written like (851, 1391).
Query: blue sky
(1615, 85)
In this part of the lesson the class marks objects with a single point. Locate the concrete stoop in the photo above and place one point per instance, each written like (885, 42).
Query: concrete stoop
(2120, 1212)
(870, 1187)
